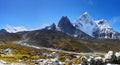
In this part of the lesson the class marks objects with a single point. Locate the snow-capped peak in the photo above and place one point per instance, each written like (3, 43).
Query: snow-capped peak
(86, 17)
(103, 24)
(105, 30)
(14, 29)
(86, 24)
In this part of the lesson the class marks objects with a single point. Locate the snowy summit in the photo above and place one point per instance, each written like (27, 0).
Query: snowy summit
(86, 24)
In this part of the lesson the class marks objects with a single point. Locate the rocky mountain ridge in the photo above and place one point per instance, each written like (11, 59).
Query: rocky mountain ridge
(84, 27)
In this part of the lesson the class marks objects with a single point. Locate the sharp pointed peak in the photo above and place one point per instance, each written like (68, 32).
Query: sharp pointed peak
(85, 14)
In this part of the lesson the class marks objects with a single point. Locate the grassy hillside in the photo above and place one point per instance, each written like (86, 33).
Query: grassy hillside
(59, 40)
(9, 37)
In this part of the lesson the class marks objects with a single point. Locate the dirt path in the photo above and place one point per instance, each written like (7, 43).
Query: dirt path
(51, 49)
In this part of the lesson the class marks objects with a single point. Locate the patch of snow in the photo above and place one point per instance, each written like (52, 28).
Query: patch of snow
(104, 27)
(75, 35)
(14, 29)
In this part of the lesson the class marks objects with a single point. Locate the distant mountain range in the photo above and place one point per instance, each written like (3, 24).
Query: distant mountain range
(14, 29)
(83, 27)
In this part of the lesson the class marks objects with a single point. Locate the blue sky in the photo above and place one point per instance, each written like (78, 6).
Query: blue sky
(38, 13)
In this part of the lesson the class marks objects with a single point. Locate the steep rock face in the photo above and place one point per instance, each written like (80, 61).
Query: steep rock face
(105, 30)
(65, 26)
(86, 24)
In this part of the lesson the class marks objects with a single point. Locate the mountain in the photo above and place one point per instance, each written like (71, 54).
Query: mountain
(3, 31)
(106, 31)
(83, 27)
(86, 24)
(51, 27)
(66, 26)
(14, 29)
(98, 29)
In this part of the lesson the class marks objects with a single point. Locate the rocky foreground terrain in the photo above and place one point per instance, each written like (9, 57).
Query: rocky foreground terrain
(49, 56)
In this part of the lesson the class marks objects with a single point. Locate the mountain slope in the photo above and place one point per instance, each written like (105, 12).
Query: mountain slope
(9, 37)
(51, 39)
(60, 40)
(86, 24)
